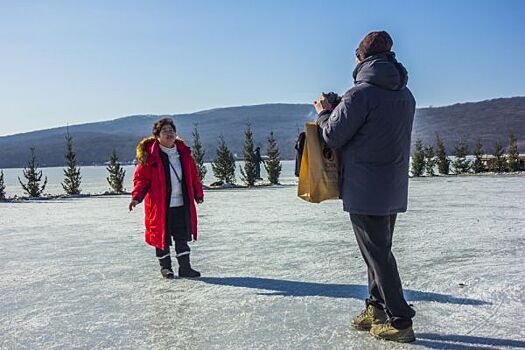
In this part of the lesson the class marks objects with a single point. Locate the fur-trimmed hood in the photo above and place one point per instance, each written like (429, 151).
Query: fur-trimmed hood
(145, 146)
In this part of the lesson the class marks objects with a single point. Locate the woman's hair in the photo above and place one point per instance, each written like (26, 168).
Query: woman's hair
(158, 125)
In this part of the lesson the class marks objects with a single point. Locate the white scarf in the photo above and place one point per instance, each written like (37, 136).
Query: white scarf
(176, 199)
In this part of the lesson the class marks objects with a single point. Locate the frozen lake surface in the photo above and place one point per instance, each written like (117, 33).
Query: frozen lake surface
(278, 273)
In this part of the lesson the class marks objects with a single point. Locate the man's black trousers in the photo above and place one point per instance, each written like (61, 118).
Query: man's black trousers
(374, 237)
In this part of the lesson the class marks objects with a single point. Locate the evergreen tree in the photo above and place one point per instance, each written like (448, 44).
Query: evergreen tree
(223, 166)
(198, 154)
(116, 173)
(273, 164)
(2, 186)
(33, 177)
(430, 160)
(418, 159)
(499, 165)
(513, 153)
(461, 164)
(249, 173)
(477, 166)
(72, 176)
(441, 154)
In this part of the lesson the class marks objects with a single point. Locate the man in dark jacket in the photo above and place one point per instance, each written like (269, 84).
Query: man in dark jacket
(371, 129)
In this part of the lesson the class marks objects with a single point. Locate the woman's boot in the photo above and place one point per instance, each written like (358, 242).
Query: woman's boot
(185, 269)
(165, 265)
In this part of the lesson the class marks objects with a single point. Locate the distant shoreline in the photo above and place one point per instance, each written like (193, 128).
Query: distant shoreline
(47, 197)
(40, 166)
(262, 186)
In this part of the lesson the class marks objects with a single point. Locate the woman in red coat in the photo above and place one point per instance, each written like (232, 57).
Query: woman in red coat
(166, 178)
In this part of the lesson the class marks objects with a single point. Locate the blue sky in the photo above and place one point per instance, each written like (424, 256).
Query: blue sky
(70, 62)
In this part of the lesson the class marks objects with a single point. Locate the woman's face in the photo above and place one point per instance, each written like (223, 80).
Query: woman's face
(167, 136)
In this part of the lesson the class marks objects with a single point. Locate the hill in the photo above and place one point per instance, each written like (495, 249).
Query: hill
(490, 120)
(94, 142)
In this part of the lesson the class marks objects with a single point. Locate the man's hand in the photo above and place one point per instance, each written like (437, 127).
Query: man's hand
(322, 105)
(133, 204)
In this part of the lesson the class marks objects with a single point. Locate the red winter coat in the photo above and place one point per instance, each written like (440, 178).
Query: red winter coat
(150, 186)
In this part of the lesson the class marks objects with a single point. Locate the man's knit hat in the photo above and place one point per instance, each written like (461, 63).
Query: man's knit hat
(374, 43)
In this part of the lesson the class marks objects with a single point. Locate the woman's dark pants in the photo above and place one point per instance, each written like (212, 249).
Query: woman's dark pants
(178, 232)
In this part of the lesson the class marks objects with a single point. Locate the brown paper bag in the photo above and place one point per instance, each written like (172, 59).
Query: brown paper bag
(318, 176)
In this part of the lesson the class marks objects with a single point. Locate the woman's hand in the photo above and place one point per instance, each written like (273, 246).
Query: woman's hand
(199, 200)
(133, 204)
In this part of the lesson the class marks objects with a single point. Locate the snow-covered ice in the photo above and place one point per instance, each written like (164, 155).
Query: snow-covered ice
(279, 273)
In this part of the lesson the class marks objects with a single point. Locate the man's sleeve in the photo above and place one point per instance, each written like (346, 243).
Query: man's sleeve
(345, 120)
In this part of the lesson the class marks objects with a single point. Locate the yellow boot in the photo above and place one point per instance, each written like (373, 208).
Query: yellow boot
(369, 317)
(387, 332)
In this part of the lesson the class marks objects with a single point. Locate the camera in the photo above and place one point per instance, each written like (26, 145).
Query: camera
(332, 98)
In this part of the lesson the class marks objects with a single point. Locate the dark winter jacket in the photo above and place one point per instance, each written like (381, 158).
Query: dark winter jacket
(151, 185)
(371, 130)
